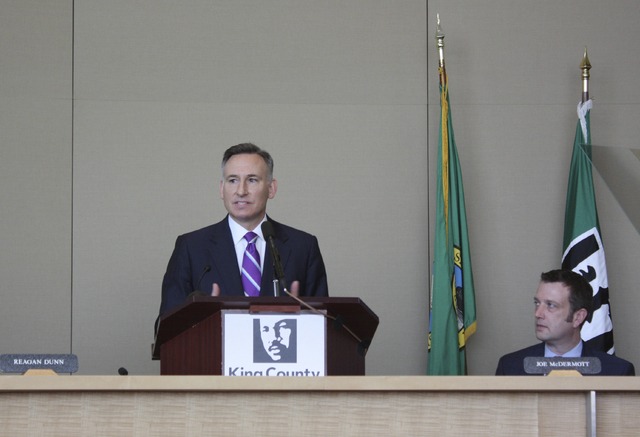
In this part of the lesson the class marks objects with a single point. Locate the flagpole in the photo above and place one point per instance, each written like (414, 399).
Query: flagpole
(440, 38)
(585, 66)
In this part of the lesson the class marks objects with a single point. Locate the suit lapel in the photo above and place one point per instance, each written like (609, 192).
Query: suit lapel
(223, 256)
(268, 275)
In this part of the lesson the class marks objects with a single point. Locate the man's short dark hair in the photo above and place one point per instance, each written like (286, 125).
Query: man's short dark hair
(250, 149)
(580, 291)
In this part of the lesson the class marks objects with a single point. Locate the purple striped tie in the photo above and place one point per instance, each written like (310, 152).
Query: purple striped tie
(251, 275)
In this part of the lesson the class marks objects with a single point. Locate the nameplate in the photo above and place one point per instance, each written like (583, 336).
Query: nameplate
(543, 366)
(20, 363)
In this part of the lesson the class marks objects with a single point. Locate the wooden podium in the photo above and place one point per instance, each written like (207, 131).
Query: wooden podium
(189, 339)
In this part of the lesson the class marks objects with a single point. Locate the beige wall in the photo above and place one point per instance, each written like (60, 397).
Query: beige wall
(345, 96)
(35, 176)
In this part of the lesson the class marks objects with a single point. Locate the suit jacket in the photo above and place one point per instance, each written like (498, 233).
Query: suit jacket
(206, 256)
(513, 363)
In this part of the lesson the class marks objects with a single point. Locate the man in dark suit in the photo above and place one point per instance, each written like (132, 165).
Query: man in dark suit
(210, 260)
(563, 302)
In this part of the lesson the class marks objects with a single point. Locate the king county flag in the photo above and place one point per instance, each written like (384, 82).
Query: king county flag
(582, 246)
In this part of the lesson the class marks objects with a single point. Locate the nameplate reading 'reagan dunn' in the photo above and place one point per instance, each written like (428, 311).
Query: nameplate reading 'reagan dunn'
(543, 366)
(20, 363)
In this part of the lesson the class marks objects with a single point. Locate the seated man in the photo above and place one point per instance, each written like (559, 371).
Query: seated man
(563, 302)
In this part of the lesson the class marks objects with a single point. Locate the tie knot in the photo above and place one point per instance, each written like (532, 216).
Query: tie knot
(250, 237)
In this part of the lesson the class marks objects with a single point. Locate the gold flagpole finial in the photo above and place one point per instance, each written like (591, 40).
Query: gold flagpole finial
(585, 66)
(440, 38)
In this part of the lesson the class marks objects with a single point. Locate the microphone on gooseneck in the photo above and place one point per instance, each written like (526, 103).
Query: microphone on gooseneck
(268, 234)
(206, 270)
(197, 291)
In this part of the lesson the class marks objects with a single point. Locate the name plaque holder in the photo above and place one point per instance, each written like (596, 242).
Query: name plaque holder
(564, 373)
(189, 339)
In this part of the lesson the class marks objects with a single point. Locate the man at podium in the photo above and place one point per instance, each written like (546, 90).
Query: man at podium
(563, 302)
(232, 257)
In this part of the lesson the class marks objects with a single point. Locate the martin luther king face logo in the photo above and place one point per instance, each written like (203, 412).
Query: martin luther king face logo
(274, 342)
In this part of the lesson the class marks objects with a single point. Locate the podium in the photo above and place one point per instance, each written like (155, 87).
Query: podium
(189, 339)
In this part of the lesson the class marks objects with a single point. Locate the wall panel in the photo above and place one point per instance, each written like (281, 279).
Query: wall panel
(35, 176)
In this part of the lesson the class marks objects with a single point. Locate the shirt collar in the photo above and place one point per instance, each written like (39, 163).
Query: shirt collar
(238, 232)
(576, 352)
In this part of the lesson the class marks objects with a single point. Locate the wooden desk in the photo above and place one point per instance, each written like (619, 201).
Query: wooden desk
(350, 406)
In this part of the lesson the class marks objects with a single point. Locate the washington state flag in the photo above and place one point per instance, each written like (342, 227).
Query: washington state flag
(453, 309)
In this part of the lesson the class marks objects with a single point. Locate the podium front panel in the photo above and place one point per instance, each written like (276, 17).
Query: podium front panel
(273, 344)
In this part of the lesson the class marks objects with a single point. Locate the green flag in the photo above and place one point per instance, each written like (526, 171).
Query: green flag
(582, 245)
(452, 317)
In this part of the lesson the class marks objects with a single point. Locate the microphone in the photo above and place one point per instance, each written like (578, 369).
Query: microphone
(197, 291)
(268, 233)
